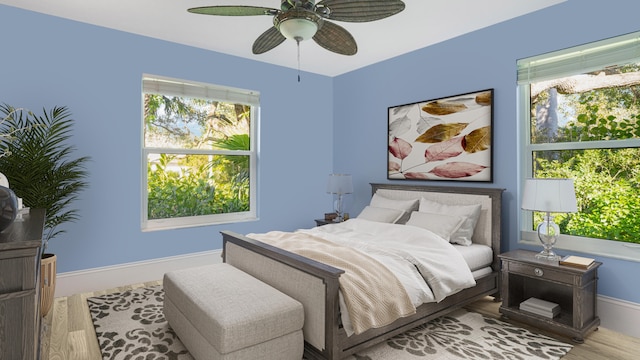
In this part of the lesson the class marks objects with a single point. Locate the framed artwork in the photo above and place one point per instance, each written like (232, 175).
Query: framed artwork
(442, 139)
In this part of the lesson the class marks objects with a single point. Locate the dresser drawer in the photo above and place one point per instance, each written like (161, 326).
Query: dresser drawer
(541, 272)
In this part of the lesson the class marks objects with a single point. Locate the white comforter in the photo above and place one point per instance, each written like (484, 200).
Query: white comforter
(413, 254)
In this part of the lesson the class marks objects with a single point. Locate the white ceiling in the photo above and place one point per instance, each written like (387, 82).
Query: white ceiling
(421, 24)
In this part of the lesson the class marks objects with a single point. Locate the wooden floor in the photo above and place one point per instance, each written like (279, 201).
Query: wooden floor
(68, 332)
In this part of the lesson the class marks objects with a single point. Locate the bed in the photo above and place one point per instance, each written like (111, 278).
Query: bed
(316, 284)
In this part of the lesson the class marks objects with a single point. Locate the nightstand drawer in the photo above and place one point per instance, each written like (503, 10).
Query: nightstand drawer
(541, 272)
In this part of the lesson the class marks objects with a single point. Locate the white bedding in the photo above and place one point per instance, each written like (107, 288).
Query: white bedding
(477, 256)
(441, 265)
(405, 250)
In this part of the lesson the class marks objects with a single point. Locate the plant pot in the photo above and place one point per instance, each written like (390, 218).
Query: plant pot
(47, 282)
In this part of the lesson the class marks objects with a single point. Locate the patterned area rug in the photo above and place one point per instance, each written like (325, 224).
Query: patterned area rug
(130, 325)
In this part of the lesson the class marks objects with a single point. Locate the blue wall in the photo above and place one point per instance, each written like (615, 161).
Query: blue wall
(480, 60)
(96, 72)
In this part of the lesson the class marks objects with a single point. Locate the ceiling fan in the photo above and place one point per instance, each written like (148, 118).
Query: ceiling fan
(304, 19)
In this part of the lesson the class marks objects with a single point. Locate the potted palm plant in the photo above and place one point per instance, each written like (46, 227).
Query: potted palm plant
(42, 170)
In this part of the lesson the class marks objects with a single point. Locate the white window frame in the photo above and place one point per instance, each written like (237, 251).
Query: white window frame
(175, 87)
(576, 60)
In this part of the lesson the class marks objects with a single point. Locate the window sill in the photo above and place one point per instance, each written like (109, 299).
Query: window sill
(196, 221)
(607, 248)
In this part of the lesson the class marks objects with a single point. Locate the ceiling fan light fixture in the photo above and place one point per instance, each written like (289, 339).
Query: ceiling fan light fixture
(297, 24)
(298, 29)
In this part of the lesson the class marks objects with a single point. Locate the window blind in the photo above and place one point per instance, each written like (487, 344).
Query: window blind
(620, 50)
(152, 84)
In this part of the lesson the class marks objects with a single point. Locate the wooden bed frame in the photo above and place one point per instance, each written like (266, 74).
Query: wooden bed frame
(315, 284)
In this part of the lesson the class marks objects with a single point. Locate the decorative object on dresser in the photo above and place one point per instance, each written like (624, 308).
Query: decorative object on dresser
(454, 139)
(339, 185)
(573, 290)
(549, 196)
(8, 207)
(42, 151)
(20, 250)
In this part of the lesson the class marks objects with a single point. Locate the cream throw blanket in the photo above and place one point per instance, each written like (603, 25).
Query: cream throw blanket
(410, 252)
(373, 295)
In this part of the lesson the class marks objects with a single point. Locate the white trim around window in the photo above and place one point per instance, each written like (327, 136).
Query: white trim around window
(580, 59)
(176, 87)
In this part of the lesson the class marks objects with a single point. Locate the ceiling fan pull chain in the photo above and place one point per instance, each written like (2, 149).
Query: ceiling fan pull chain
(298, 45)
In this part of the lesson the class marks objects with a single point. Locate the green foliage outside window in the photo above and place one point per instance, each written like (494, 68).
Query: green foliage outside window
(606, 180)
(201, 181)
(608, 198)
(194, 192)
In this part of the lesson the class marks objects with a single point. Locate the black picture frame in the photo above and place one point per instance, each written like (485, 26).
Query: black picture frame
(448, 138)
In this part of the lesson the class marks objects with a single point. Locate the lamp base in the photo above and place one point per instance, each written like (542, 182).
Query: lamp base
(548, 232)
(547, 255)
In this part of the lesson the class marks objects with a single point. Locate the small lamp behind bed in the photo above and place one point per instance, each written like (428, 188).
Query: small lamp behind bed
(339, 184)
(549, 195)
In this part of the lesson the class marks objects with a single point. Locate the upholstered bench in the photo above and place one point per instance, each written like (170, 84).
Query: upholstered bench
(220, 312)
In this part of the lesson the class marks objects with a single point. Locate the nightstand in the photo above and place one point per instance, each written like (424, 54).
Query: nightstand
(574, 289)
(320, 222)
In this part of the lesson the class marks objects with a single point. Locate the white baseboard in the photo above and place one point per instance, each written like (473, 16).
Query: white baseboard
(75, 282)
(615, 314)
(619, 315)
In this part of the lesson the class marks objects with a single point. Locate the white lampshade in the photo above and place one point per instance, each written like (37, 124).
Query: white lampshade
(298, 29)
(340, 184)
(549, 195)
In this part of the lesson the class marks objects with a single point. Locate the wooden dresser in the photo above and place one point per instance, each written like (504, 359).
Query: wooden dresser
(20, 252)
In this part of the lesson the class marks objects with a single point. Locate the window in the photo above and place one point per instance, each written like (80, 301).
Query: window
(198, 154)
(580, 118)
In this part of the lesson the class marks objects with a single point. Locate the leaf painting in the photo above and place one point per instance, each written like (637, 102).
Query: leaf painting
(442, 139)
(443, 107)
(444, 150)
(416, 176)
(441, 132)
(399, 126)
(484, 98)
(400, 148)
(477, 140)
(423, 124)
(455, 170)
(401, 110)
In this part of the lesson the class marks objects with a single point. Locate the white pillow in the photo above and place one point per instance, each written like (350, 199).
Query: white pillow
(441, 224)
(405, 205)
(470, 212)
(378, 214)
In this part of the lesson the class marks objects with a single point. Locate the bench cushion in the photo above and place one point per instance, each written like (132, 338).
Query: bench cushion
(229, 308)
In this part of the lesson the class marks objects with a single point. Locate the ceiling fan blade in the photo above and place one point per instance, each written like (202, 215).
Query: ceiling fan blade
(268, 40)
(358, 10)
(335, 38)
(233, 10)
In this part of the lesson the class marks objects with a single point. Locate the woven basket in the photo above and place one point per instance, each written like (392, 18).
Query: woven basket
(47, 282)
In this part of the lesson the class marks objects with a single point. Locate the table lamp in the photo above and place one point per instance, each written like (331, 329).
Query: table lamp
(339, 184)
(549, 196)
